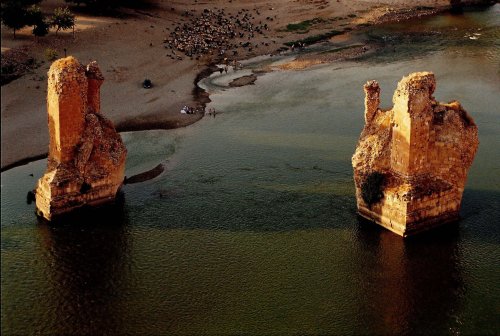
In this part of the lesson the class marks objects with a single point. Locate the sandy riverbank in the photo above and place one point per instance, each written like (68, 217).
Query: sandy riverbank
(130, 49)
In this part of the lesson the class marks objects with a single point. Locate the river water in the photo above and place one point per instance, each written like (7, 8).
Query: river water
(252, 229)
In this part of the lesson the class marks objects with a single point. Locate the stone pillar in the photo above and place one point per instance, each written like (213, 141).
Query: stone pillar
(86, 161)
(95, 79)
(372, 99)
(411, 162)
(411, 119)
(66, 106)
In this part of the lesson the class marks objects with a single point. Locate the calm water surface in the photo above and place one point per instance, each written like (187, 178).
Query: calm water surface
(252, 229)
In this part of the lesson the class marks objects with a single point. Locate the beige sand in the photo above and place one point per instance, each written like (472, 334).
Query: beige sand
(122, 48)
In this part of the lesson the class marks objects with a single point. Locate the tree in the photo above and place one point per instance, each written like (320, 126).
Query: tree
(62, 19)
(35, 18)
(34, 15)
(14, 13)
(41, 28)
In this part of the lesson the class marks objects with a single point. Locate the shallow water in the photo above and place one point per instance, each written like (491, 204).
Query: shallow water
(252, 228)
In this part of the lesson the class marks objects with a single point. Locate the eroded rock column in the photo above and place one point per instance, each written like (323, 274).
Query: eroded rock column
(86, 160)
(411, 162)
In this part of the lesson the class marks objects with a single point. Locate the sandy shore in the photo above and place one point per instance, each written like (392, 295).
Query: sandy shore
(130, 49)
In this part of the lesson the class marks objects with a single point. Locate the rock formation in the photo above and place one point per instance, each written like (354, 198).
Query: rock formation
(411, 162)
(86, 160)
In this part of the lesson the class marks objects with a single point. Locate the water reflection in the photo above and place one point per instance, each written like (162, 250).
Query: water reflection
(413, 284)
(86, 264)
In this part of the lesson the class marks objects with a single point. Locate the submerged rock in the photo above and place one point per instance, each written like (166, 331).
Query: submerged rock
(86, 160)
(411, 162)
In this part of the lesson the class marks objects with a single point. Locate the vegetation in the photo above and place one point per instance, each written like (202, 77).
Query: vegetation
(62, 19)
(371, 188)
(15, 14)
(36, 19)
(51, 54)
(41, 28)
(33, 15)
(302, 26)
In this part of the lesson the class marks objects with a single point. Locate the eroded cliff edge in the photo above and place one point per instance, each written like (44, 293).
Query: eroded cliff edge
(411, 162)
(86, 162)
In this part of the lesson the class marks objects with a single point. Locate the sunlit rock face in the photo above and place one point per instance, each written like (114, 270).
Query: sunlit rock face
(86, 160)
(411, 162)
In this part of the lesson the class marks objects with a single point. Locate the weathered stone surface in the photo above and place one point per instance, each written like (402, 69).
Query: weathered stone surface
(421, 148)
(86, 162)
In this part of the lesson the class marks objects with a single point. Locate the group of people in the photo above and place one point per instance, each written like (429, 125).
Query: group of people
(190, 110)
(215, 31)
(226, 63)
(211, 111)
(300, 46)
(199, 109)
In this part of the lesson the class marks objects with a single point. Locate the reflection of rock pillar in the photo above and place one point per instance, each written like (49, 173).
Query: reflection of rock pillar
(66, 106)
(372, 100)
(86, 264)
(95, 79)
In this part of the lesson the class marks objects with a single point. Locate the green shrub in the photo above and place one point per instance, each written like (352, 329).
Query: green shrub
(371, 188)
(62, 19)
(51, 54)
(304, 25)
(15, 13)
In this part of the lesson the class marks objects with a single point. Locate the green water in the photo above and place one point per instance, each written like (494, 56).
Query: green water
(252, 228)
